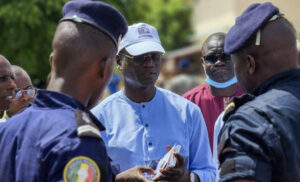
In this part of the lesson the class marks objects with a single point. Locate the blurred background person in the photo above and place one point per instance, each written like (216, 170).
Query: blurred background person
(113, 85)
(221, 84)
(7, 84)
(24, 93)
(184, 80)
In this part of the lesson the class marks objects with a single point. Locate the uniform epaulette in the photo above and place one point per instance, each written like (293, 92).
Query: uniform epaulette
(235, 103)
(85, 126)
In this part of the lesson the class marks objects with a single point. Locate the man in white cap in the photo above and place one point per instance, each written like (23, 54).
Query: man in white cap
(142, 119)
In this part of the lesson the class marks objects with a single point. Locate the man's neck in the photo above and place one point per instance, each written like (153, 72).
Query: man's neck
(139, 94)
(223, 92)
(10, 113)
(62, 86)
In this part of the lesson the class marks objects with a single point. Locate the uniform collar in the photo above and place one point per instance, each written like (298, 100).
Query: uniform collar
(57, 100)
(277, 81)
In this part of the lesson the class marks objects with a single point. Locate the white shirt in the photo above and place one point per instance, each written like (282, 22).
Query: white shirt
(218, 125)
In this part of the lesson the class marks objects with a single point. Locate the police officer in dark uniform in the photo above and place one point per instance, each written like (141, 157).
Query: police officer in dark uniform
(57, 138)
(260, 140)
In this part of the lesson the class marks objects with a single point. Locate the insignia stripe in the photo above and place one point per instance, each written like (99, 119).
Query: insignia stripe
(231, 104)
(88, 128)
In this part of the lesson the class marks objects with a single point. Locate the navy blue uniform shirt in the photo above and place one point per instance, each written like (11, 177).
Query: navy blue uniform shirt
(261, 139)
(55, 138)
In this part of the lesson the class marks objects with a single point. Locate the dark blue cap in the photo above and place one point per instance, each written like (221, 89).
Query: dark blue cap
(247, 25)
(98, 14)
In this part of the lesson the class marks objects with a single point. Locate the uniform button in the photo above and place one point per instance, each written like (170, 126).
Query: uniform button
(143, 106)
(150, 143)
(146, 125)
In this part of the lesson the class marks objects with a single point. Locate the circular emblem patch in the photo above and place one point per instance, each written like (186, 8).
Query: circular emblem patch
(81, 169)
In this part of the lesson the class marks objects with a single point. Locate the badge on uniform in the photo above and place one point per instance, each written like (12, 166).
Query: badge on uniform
(81, 169)
(235, 103)
(85, 125)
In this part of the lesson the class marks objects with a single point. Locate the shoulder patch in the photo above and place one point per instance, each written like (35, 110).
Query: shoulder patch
(83, 169)
(85, 125)
(235, 103)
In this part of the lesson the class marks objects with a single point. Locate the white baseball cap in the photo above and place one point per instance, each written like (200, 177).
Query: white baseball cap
(140, 39)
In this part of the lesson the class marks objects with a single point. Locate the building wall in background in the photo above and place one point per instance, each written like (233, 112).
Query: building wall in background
(211, 16)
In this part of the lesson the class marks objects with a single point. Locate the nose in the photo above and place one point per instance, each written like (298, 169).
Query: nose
(219, 62)
(148, 62)
(25, 98)
(11, 84)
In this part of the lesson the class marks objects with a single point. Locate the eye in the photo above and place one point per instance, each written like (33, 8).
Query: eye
(156, 57)
(210, 59)
(225, 57)
(3, 77)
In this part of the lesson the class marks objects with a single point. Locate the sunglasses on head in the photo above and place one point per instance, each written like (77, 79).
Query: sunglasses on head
(155, 57)
(213, 58)
(30, 92)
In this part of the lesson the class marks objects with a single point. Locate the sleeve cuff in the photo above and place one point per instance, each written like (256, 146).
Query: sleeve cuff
(244, 167)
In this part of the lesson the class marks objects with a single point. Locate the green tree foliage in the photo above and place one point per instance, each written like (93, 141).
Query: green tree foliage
(170, 17)
(27, 28)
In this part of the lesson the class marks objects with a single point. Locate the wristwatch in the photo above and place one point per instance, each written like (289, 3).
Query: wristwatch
(192, 177)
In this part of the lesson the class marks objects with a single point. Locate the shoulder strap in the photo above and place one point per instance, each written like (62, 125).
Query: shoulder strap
(85, 126)
(235, 103)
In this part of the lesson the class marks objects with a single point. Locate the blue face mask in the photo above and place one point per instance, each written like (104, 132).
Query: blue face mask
(233, 80)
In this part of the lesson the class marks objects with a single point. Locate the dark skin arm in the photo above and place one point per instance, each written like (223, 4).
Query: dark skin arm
(179, 173)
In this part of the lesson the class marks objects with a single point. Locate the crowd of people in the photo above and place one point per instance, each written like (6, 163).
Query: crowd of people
(241, 125)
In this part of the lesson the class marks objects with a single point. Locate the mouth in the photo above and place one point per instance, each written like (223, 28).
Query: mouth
(222, 69)
(9, 97)
(150, 76)
(150, 73)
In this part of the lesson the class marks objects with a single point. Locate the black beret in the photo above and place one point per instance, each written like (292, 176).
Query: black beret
(98, 14)
(247, 25)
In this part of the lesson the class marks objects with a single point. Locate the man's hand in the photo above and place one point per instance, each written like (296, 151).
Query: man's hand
(135, 174)
(175, 174)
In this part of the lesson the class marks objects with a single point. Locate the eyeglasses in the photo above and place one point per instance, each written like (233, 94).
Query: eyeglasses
(155, 57)
(213, 58)
(30, 92)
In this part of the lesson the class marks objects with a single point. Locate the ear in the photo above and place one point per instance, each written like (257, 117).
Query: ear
(251, 64)
(102, 66)
(51, 58)
(202, 60)
(119, 62)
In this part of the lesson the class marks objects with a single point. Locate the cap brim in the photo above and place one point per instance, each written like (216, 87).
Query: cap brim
(144, 47)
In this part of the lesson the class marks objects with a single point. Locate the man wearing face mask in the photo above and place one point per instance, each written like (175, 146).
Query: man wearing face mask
(221, 84)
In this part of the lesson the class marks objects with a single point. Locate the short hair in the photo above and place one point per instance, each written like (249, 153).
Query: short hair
(3, 57)
(73, 42)
(214, 35)
(18, 71)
